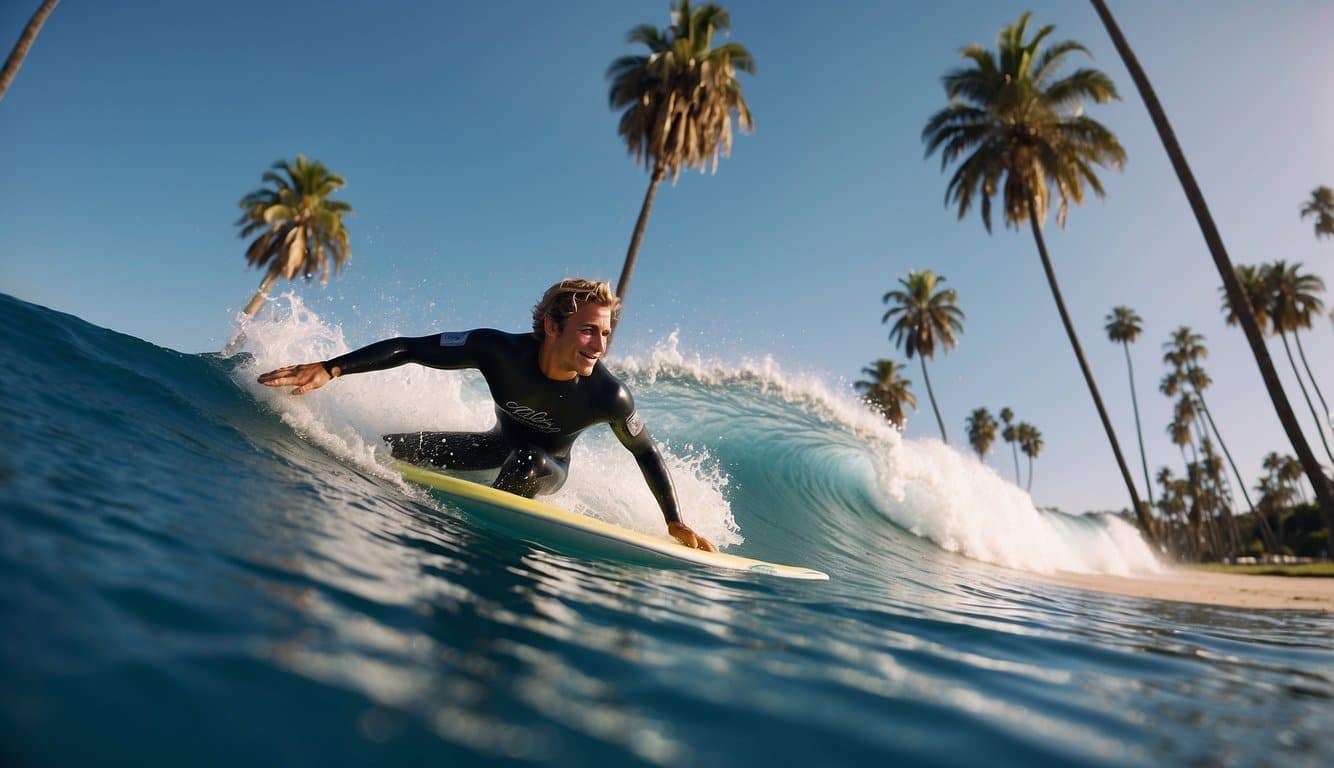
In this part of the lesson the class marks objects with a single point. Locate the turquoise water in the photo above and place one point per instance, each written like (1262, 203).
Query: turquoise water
(197, 572)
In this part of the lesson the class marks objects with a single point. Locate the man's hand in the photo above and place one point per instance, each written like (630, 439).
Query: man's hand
(305, 378)
(682, 533)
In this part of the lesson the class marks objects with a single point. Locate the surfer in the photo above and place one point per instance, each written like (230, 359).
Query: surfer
(548, 385)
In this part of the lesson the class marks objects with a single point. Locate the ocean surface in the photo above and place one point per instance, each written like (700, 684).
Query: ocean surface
(195, 570)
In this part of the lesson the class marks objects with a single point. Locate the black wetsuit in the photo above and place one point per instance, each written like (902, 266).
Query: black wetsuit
(537, 418)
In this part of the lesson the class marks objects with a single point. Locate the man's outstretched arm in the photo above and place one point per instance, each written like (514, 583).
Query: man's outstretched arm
(440, 350)
(629, 428)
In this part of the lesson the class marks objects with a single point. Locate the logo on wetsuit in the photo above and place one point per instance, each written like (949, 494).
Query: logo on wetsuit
(454, 338)
(525, 415)
(634, 424)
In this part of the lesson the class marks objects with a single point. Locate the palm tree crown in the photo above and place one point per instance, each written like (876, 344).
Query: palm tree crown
(1255, 284)
(925, 315)
(679, 100)
(1124, 325)
(887, 390)
(300, 230)
(1293, 296)
(981, 431)
(1321, 207)
(1020, 129)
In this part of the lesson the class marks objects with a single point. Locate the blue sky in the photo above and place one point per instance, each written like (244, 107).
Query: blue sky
(483, 164)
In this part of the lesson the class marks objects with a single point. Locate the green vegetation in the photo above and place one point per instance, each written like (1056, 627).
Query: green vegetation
(926, 317)
(886, 390)
(1325, 569)
(678, 102)
(981, 431)
(1018, 129)
(1321, 208)
(297, 228)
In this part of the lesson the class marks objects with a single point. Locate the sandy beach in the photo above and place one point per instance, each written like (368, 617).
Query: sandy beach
(1234, 590)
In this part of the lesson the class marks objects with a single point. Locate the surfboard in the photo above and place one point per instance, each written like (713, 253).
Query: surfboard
(549, 525)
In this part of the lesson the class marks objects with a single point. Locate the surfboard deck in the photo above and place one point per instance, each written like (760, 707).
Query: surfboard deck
(549, 525)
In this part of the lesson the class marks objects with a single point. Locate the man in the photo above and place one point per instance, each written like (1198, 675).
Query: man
(549, 386)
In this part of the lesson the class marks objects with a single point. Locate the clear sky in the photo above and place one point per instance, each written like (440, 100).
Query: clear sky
(483, 164)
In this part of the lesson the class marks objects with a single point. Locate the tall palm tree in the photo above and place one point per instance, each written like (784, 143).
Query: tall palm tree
(1184, 351)
(24, 45)
(298, 229)
(981, 431)
(678, 102)
(926, 318)
(1123, 327)
(1019, 127)
(1324, 488)
(1294, 303)
(1010, 434)
(887, 390)
(1321, 206)
(1030, 442)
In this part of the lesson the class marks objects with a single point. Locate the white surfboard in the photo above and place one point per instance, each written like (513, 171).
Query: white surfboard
(550, 525)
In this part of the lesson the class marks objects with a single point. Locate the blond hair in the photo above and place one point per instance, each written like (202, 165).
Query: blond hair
(563, 299)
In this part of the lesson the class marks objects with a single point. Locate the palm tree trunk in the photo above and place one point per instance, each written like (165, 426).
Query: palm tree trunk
(24, 44)
(1141, 514)
(636, 239)
(1015, 448)
(1029, 486)
(1297, 337)
(932, 395)
(263, 293)
(1266, 532)
(1139, 433)
(1324, 489)
(1302, 383)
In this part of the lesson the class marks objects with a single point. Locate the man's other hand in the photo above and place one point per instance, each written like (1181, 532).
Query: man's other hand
(682, 533)
(304, 378)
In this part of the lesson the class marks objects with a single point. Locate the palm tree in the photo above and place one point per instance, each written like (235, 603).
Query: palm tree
(1010, 434)
(887, 390)
(1183, 351)
(1020, 129)
(981, 431)
(1324, 489)
(298, 228)
(1294, 303)
(24, 45)
(1030, 442)
(924, 318)
(1321, 207)
(678, 102)
(1123, 327)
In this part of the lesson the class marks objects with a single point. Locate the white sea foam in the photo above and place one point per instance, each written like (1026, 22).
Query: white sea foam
(923, 486)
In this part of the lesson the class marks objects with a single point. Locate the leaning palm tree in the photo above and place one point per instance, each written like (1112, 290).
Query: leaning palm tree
(926, 318)
(678, 102)
(1324, 488)
(1123, 327)
(1294, 303)
(886, 390)
(981, 431)
(1019, 129)
(1010, 434)
(298, 229)
(1030, 442)
(1321, 207)
(24, 45)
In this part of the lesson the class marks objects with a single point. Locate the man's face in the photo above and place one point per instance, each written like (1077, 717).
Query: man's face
(583, 340)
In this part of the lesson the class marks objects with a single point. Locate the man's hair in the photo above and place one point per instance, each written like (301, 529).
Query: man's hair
(563, 299)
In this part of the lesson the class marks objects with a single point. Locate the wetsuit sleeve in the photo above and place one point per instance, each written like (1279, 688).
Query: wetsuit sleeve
(629, 428)
(440, 350)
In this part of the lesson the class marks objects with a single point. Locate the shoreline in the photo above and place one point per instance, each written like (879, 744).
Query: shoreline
(1294, 593)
